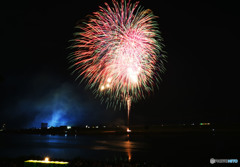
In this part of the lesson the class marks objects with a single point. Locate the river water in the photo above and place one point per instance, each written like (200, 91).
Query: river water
(159, 148)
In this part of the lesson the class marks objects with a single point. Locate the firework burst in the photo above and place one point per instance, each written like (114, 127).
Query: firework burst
(119, 53)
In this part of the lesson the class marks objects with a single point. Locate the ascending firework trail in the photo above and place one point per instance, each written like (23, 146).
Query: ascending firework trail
(118, 52)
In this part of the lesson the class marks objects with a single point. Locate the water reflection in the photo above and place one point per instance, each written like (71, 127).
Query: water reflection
(117, 147)
(119, 144)
(122, 147)
(128, 147)
(123, 144)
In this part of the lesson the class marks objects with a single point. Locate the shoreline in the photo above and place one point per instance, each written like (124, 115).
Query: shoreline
(168, 130)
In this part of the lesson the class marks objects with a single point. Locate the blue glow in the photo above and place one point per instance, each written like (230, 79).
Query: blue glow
(59, 107)
(47, 100)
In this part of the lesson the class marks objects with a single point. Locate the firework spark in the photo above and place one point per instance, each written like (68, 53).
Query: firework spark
(119, 53)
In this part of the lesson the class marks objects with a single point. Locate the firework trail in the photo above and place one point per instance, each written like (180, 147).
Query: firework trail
(118, 52)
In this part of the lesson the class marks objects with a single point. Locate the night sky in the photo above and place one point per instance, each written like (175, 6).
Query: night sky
(200, 84)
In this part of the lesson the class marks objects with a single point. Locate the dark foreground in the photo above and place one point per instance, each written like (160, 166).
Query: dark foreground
(79, 162)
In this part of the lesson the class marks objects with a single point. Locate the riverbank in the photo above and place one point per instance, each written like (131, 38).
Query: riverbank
(153, 129)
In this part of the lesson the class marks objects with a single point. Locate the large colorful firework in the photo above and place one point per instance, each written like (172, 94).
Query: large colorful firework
(118, 51)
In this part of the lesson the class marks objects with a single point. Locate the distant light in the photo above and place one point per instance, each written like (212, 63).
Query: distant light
(104, 126)
(88, 127)
(96, 126)
(69, 127)
(204, 123)
(128, 130)
(102, 87)
(46, 159)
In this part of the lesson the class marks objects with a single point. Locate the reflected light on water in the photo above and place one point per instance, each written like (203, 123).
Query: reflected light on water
(128, 148)
(124, 145)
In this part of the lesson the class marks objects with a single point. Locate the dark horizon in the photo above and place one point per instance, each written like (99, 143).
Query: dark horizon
(200, 83)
